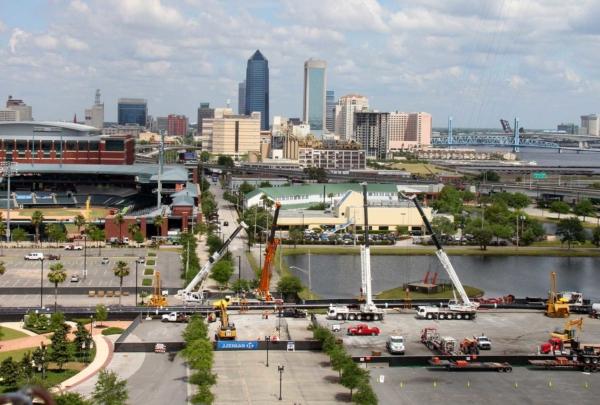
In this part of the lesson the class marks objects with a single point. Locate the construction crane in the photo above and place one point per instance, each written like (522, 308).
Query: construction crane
(188, 294)
(465, 304)
(267, 269)
(227, 329)
(556, 307)
(157, 300)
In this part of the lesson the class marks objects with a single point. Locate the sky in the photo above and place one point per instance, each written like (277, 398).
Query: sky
(475, 60)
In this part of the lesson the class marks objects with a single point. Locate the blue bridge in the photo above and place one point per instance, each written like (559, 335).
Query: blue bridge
(493, 140)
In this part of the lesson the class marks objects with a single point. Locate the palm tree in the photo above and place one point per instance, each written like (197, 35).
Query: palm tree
(79, 222)
(158, 223)
(37, 219)
(121, 270)
(119, 220)
(132, 229)
(96, 235)
(57, 275)
(2, 268)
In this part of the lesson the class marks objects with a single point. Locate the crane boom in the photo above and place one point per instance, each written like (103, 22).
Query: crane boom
(442, 256)
(365, 255)
(211, 262)
(272, 243)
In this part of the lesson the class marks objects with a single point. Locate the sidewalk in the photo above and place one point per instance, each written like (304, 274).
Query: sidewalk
(104, 352)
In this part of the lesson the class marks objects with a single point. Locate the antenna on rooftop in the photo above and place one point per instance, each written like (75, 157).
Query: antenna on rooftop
(228, 103)
(97, 98)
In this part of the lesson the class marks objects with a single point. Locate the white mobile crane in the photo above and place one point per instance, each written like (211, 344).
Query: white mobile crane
(188, 294)
(457, 309)
(367, 311)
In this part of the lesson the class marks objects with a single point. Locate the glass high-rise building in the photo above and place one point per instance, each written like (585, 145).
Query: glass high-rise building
(242, 97)
(132, 111)
(314, 94)
(330, 111)
(257, 88)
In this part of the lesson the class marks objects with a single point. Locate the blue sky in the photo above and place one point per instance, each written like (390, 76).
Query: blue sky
(475, 60)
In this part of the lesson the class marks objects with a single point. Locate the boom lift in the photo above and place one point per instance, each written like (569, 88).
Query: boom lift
(368, 310)
(188, 294)
(556, 307)
(267, 269)
(227, 329)
(465, 309)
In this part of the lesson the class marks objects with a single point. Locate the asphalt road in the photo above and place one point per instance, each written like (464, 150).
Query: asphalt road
(162, 379)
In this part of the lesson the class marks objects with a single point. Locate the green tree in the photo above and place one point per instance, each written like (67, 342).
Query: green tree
(483, 236)
(214, 244)
(40, 358)
(501, 231)
(195, 329)
(158, 222)
(289, 286)
(239, 286)
(559, 207)
(296, 234)
(83, 340)
(204, 156)
(245, 188)
(222, 272)
(365, 395)
(57, 275)
(264, 184)
(442, 226)
(330, 196)
(138, 237)
(339, 360)
(26, 367)
(37, 220)
(449, 200)
(71, 398)
(584, 208)
(352, 377)
(570, 230)
(518, 201)
(57, 320)
(79, 222)
(121, 270)
(57, 233)
(489, 175)
(316, 173)
(2, 234)
(60, 346)
(96, 235)
(9, 371)
(224, 160)
(110, 390)
(119, 220)
(2, 268)
(596, 236)
(132, 229)
(101, 313)
(18, 235)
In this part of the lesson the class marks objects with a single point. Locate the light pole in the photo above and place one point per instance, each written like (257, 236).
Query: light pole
(136, 282)
(84, 256)
(239, 268)
(7, 169)
(305, 272)
(280, 369)
(267, 339)
(42, 283)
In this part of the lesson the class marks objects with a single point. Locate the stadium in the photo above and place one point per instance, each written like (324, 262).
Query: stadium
(65, 169)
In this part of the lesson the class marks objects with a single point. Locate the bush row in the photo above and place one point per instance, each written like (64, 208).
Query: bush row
(199, 356)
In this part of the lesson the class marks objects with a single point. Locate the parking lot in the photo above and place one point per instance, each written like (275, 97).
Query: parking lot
(21, 273)
(516, 333)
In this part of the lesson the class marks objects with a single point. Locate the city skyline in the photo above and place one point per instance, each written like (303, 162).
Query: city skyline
(419, 57)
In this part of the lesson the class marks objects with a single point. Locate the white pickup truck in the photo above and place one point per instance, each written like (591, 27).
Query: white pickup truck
(34, 256)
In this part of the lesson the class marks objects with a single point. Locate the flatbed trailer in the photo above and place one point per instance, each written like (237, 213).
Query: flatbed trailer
(563, 363)
(459, 365)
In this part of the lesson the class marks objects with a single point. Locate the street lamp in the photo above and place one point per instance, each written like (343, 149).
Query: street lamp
(42, 283)
(136, 282)
(267, 339)
(305, 272)
(280, 369)
(84, 256)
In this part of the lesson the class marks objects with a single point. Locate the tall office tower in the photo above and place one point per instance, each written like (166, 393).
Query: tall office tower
(590, 124)
(314, 94)
(344, 114)
(177, 125)
(204, 112)
(330, 111)
(23, 111)
(95, 116)
(409, 130)
(371, 131)
(242, 98)
(257, 88)
(132, 111)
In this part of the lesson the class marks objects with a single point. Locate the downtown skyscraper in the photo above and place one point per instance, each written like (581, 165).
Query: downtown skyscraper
(314, 95)
(257, 88)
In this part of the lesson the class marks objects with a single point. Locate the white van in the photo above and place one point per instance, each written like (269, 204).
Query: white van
(34, 256)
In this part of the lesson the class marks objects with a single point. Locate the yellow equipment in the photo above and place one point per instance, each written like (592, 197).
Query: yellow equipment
(556, 307)
(157, 300)
(568, 334)
(226, 329)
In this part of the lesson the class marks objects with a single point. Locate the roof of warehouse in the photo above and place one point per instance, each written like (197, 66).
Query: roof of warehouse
(336, 188)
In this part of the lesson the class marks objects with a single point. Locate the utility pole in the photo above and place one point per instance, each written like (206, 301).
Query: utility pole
(160, 169)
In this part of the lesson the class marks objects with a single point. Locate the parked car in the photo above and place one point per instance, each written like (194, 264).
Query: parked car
(34, 256)
(140, 260)
(225, 223)
(395, 344)
(363, 329)
(52, 256)
(104, 260)
(483, 342)
(75, 278)
(73, 247)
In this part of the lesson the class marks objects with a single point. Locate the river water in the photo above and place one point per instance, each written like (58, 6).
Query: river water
(338, 276)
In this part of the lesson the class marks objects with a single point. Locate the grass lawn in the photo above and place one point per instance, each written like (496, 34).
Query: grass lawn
(399, 293)
(147, 282)
(416, 168)
(15, 354)
(9, 334)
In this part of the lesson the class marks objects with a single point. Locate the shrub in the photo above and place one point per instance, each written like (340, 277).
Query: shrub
(150, 262)
(112, 331)
(147, 282)
(149, 271)
(151, 254)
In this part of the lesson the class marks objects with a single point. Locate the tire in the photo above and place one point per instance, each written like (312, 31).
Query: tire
(458, 316)
(339, 317)
(467, 317)
(378, 317)
(449, 316)
(595, 360)
(351, 317)
(587, 360)
(586, 369)
(359, 317)
(441, 316)
(509, 369)
(429, 316)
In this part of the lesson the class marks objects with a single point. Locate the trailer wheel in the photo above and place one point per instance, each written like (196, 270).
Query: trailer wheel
(442, 316)
(594, 360)
(587, 360)
(467, 316)
(449, 316)
(586, 369)
(458, 316)
(351, 317)
(429, 316)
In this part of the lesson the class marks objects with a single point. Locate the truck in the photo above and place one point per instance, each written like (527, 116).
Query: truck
(362, 329)
(459, 365)
(483, 342)
(445, 345)
(179, 317)
(367, 311)
(34, 256)
(395, 344)
(462, 308)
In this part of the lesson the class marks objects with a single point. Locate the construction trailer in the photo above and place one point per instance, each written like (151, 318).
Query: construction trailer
(367, 311)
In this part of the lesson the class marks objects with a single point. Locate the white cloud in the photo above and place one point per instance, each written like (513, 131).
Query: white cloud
(148, 12)
(17, 37)
(157, 68)
(79, 6)
(516, 81)
(2, 26)
(146, 48)
(75, 44)
(46, 41)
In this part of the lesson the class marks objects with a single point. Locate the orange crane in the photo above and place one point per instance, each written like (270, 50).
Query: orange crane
(265, 274)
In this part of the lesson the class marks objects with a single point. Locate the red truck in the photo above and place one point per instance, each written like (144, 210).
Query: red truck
(362, 329)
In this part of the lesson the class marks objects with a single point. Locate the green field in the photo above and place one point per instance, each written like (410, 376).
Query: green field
(15, 354)
(399, 293)
(9, 334)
